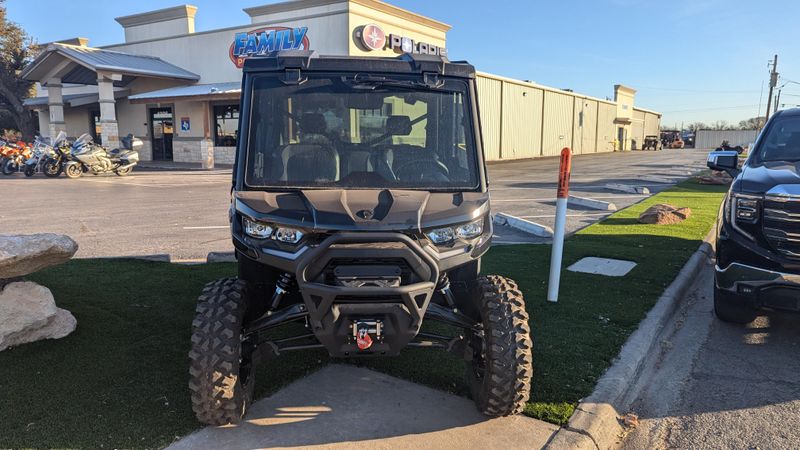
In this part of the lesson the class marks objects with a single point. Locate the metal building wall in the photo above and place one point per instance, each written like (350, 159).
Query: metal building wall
(713, 138)
(606, 129)
(557, 123)
(585, 126)
(525, 120)
(490, 93)
(522, 122)
(637, 130)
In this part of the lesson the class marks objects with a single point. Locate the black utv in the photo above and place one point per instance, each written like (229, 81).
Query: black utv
(360, 210)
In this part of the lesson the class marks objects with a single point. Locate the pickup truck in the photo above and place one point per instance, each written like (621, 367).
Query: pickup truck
(758, 231)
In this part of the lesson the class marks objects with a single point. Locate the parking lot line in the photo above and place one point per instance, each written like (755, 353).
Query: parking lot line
(208, 227)
(552, 199)
(608, 213)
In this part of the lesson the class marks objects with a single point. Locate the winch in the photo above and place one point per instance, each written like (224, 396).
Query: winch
(362, 329)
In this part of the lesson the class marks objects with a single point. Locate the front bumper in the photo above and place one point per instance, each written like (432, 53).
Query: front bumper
(761, 287)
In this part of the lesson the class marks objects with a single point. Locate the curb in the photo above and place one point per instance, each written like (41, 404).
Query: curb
(215, 257)
(158, 257)
(627, 188)
(592, 203)
(595, 424)
(523, 225)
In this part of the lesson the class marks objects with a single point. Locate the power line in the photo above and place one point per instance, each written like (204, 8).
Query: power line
(695, 91)
(717, 108)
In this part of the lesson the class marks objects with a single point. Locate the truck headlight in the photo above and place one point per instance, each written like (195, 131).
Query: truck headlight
(746, 208)
(288, 235)
(258, 230)
(465, 231)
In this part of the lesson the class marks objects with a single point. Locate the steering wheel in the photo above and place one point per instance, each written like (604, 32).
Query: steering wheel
(421, 168)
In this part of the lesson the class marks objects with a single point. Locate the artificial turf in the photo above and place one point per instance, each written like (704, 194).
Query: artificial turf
(120, 380)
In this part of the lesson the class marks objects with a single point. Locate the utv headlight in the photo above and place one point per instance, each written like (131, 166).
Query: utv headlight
(257, 230)
(746, 208)
(288, 235)
(466, 231)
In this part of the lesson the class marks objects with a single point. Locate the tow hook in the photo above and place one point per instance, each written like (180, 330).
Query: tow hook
(362, 330)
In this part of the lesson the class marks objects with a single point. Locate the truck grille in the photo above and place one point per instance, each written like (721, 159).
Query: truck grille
(782, 224)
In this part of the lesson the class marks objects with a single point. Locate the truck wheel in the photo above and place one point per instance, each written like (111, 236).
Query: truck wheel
(732, 310)
(221, 367)
(502, 365)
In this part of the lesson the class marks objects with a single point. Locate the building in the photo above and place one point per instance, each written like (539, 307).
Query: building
(178, 89)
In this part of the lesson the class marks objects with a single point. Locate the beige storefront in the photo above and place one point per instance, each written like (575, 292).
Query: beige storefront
(178, 89)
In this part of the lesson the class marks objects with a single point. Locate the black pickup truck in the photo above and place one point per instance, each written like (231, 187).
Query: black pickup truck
(758, 232)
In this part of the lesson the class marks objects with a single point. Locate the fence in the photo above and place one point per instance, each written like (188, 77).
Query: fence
(713, 138)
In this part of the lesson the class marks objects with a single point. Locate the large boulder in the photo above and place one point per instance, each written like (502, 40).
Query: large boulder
(664, 214)
(28, 313)
(21, 255)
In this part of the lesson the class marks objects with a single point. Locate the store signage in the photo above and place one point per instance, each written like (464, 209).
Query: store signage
(374, 38)
(266, 40)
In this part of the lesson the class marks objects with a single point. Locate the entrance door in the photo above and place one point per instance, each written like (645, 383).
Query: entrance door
(621, 138)
(161, 133)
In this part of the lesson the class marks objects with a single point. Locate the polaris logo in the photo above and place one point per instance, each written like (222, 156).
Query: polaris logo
(372, 37)
(267, 40)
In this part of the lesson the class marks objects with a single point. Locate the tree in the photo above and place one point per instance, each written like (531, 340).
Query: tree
(693, 127)
(16, 50)
(753, 123)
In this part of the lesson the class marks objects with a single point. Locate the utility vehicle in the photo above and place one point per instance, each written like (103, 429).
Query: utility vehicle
(359, 210)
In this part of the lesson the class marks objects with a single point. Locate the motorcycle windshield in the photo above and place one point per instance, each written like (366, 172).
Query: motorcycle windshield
(82, 143)
(62, 136)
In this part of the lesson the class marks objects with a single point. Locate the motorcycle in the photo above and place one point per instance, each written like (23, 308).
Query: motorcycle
(62, 153)
(44, 151)
(15, 156)
(90, 157)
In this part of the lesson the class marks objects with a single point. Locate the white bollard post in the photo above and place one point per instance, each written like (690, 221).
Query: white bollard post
(562, 197)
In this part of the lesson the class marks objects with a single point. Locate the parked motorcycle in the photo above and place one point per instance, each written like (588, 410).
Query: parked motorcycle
(62, 153)
(44, 151)
(90, 157)
(16, 155)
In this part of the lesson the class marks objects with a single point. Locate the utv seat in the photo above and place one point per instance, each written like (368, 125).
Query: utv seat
(313, 162)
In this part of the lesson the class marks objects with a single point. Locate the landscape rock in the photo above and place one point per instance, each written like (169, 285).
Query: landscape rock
(28, 313)
(21, 255)
(716, 177)
(664, 214)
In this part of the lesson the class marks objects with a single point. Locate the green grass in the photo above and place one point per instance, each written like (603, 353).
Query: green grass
(120, 380)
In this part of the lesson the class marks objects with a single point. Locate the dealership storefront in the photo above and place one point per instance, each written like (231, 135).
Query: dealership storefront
(178, 89)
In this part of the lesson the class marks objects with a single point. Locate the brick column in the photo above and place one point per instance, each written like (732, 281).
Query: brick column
(109, 129)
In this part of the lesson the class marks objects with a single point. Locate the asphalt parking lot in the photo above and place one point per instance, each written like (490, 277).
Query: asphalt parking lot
(183, 213)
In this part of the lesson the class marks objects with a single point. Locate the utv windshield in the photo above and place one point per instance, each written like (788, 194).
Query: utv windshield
(369, 132)
(782, 142)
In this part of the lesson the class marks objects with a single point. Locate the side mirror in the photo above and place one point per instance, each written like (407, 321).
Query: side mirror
(724, 160)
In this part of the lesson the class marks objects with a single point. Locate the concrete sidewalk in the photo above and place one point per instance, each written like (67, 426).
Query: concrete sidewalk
(343, 406)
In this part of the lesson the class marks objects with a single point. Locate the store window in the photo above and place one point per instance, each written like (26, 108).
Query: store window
(226, 125)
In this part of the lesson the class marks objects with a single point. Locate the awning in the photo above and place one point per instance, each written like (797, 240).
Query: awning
(79, 65)
(73, 99)
(197, 92)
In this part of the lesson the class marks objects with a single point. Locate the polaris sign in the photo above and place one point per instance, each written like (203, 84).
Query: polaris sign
(372, 37)
(267, 40)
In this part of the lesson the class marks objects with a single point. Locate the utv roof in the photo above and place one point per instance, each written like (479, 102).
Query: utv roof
(404, 64)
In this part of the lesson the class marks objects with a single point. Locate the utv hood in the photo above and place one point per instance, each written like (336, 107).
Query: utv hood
(363, 210)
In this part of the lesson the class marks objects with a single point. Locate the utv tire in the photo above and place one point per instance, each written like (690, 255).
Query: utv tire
(730, 310)
(221, 376)
(501, 369)
(52, 168)
(73, 170)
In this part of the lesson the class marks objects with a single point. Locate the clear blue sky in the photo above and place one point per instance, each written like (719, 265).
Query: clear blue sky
(690, 59)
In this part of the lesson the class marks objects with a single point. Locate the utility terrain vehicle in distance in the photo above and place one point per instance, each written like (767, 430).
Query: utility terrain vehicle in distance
(359, 210)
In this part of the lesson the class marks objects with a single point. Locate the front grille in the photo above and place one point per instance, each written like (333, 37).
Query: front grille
(782, 224)
(330, 268)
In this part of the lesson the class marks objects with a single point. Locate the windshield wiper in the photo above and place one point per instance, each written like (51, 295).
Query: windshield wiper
(360, 81)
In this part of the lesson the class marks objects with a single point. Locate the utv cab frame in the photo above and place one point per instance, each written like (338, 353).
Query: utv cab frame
(360, 210)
